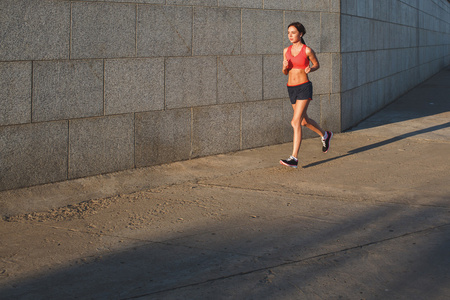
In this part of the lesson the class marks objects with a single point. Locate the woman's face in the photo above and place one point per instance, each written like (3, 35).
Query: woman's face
(293, 34)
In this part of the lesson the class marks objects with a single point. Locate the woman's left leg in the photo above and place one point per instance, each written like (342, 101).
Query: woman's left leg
(326, 135)
(311, 124)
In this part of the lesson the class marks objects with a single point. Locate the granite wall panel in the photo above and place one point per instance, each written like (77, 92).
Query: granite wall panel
(34, 29)
(274, 81)
(33, 154)
(239, 79)
(330, 37)
(283, 4)
(262, 31)
(316, 5)
(240, 3)
(67, 89)
(262, 123)
(101, 145)
(163, 136)
(134, 85)
(217, 31)
(164, 30)
(15, 93)
(103, 30)
(216, 129)
(190, 81)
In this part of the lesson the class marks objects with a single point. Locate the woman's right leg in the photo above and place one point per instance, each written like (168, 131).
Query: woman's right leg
(300, 108)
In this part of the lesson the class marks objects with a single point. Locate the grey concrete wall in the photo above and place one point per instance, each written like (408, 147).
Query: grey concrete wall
(388, 47)
(91, 87)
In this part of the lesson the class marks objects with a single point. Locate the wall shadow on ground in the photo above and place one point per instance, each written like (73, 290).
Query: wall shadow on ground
(385, 251)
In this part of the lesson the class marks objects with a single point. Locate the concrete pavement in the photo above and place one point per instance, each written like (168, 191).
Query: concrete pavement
(368, 220)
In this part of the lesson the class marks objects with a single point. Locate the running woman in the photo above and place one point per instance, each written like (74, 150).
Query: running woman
(296, 64)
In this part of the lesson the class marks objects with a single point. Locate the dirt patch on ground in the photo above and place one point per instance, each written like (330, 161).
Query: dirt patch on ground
(136, 210)
(80, 210)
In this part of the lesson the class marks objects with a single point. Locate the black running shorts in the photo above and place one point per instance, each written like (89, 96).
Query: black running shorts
(302, 91)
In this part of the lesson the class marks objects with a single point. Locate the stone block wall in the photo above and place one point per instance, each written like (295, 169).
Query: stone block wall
(92, 87)
(388, 47)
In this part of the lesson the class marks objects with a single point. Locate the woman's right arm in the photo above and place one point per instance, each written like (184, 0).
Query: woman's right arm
(285, 63)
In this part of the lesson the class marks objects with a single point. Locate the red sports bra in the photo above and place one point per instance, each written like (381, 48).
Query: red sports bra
(300, 61)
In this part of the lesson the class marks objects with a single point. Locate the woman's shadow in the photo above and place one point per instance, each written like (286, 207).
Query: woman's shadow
(380, 144)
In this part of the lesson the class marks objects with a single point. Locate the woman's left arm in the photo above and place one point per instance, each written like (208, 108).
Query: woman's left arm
(313, 59)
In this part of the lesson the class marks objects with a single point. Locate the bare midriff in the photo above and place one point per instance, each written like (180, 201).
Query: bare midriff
(297, 77)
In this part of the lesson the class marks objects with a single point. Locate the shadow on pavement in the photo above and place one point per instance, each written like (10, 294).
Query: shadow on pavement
(381, 144)
(383, 251)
